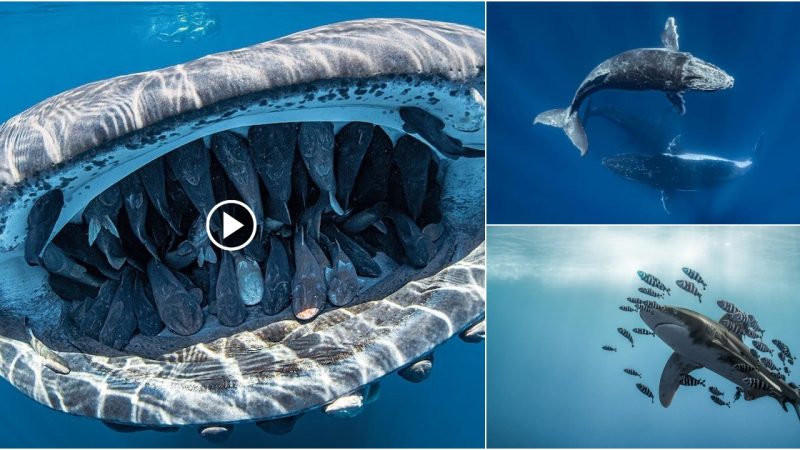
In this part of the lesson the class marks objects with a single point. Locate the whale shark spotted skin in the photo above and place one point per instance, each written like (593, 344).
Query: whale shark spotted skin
(87, 139)
(700, 342)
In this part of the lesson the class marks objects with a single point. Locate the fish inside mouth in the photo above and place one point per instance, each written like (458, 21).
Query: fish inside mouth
(345, 215)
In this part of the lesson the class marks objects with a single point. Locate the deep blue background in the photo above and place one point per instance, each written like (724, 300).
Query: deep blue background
(538, 54)
(48, 48)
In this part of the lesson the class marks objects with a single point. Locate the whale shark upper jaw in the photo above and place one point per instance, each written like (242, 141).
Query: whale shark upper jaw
(703, 76)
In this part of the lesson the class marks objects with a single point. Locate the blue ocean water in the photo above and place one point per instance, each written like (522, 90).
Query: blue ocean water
(554, 294)
(48, 48)
(538, 55)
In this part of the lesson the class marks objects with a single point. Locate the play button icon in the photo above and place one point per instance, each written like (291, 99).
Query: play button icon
(229, 225)
(238, 225)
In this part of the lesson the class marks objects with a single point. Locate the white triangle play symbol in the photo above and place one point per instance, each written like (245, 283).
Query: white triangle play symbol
(229, 225)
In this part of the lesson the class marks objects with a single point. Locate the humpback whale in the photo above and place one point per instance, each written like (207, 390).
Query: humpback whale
(698, 342)
(670, 171)
(645, 135)
(219, 361)
(662, 69)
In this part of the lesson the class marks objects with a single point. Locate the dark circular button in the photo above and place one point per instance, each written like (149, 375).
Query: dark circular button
(234, 225)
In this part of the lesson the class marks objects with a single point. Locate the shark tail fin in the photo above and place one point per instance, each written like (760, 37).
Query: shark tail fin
(567, 120)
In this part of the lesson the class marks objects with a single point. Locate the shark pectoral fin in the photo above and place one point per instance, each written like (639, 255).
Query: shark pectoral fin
(665, 196)
(669, 37)
(677, 101)
(674, 370)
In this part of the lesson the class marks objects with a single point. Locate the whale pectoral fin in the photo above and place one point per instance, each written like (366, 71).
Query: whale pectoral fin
(677, 101)
(674, 370)
(674, 144)
(665, 196)
(669, 37)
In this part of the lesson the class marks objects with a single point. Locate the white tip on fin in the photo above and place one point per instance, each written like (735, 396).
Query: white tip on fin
(669, 37)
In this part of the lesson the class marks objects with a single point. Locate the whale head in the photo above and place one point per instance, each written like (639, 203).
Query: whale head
(699, 75)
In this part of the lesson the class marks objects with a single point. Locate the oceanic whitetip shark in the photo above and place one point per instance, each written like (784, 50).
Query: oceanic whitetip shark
(698, 342)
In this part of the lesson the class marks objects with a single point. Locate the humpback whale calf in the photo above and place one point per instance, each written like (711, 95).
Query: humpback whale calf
(670, 171)
(163, 336)
(698, 342)
(660, 69)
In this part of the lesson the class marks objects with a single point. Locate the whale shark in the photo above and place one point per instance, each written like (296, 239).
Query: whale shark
(672, 171)
(698, 342)
(273, 118)
(661, 69)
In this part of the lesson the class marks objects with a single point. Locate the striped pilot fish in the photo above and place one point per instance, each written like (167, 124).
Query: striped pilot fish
(783, 348)
(720, 401)
(652, 281)
(651, 292)
(646, 391)
(626, 334)
(632, 372)
(762, 347)
(688, 380)
(689, 287)
(728, 307)
(694, 276)
(643, 331)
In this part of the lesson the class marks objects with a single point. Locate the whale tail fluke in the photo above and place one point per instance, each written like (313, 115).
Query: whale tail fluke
(570, 122)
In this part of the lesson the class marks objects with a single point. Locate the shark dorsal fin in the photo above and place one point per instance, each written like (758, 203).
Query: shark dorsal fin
(674, 370)
(669, 37)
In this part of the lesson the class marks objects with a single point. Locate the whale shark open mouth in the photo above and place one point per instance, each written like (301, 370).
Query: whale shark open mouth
(366, 181)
